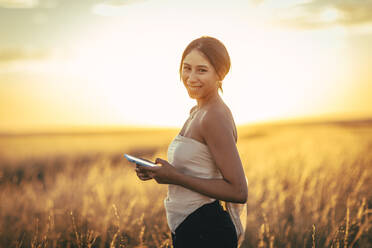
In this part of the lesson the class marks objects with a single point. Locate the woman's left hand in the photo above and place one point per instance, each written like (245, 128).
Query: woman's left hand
(164, 174)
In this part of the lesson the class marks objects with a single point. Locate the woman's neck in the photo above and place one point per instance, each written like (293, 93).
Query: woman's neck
(208, 100)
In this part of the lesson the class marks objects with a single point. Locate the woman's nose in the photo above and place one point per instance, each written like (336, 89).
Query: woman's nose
(191, 78)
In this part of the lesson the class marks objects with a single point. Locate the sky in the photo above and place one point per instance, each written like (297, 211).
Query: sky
(115, 62)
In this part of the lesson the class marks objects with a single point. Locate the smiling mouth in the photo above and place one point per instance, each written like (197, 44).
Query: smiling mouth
(193, 88)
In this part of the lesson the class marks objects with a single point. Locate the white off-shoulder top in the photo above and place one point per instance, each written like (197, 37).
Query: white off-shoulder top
(192, 157)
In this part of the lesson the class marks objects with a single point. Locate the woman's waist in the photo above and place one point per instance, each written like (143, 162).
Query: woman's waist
(183, 196)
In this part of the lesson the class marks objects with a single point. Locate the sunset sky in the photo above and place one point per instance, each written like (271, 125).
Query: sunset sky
(115, 62)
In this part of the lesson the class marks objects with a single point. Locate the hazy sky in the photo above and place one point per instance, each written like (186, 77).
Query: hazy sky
(92, 62)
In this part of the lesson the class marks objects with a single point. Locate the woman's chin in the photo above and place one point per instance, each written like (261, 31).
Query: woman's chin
(193, 95)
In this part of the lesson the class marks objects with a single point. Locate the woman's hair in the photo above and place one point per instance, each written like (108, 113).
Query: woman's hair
(214, 51)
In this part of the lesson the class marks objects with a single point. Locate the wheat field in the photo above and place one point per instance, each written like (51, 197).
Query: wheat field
(309, 186)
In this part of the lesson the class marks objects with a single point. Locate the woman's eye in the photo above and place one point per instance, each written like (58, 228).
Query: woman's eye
(189, 69)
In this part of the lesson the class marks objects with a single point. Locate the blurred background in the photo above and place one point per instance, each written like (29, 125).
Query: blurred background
(114, 63)
(84, 81)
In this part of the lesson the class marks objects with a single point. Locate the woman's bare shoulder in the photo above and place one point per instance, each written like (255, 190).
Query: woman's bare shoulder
(215, 116)
(219, 118)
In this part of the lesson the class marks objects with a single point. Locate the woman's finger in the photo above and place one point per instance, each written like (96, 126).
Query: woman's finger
(142, 168)
(145, 177)
(148, 169)
(159, 161)
(162, 162)
(141, 174)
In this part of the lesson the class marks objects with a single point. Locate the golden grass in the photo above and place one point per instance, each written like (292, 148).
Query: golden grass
(309, 186)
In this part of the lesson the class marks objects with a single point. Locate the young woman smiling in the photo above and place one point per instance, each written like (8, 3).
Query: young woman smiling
(204, 166)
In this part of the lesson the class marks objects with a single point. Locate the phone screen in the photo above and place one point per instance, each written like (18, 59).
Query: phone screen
(139, 161)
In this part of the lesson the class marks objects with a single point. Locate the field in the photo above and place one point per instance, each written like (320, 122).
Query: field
(309, 186)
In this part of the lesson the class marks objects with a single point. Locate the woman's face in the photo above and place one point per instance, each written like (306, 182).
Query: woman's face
(198, 75)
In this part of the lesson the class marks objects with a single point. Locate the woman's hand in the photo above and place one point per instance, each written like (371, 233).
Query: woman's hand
(164, 174)
(142, 174)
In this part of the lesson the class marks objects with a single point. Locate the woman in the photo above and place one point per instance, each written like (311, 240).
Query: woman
(204, 165)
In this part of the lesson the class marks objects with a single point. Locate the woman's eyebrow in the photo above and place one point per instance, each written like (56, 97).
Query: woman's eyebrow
(197, 65)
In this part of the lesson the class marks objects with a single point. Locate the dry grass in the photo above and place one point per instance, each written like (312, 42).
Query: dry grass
(309, 186)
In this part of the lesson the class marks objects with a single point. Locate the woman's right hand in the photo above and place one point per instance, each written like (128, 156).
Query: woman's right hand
(142, 174)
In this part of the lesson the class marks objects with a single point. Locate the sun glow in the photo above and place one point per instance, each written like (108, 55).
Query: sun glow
(115, 80)
(330, 15)
(124, 70)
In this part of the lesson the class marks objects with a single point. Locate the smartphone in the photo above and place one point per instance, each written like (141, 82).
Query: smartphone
(139, 161)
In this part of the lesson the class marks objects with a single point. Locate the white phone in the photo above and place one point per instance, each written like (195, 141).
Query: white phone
(139, 161)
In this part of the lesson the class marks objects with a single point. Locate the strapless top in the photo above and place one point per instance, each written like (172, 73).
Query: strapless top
(194, 158)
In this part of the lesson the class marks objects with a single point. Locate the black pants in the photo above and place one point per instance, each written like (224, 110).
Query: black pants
(208, 226)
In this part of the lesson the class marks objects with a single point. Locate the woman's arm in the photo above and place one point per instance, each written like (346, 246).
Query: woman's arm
(218, 134)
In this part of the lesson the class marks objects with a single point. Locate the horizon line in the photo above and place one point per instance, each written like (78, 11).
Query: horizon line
(69, 129)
